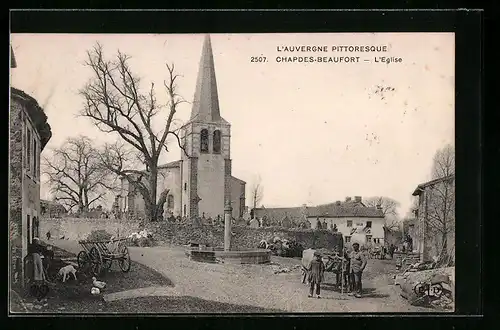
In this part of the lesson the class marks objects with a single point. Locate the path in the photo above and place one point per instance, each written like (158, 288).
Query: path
(256, 285)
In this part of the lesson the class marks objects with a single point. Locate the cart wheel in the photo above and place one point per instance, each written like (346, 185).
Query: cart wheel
(83, 261)
(107, 263)
(124, 260)
(96, 260)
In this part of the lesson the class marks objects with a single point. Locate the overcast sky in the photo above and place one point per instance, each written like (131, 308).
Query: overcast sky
(314, 132)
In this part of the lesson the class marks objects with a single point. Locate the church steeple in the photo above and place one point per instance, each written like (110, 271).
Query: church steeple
(206, 99)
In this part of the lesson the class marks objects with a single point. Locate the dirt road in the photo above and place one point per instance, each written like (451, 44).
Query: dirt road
(257, 285)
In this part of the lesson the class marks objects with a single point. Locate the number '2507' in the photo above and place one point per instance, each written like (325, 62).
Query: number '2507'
(258, 59)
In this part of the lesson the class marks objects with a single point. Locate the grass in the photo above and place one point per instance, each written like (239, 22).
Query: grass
(158, 305)
(74, 296)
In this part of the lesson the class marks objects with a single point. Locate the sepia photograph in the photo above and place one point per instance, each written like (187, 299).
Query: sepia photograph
(237, 173)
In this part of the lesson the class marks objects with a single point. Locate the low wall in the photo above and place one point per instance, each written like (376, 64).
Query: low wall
(80, 228)
(243, 238)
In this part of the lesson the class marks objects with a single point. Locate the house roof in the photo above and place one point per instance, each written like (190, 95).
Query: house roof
(279, 213)
(422, 186)
(174, 164)
(350, 208)
(52, 204)
(345, 210)
(36, 113)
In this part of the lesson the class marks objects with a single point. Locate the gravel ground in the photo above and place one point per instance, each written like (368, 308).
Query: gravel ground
(234, 287)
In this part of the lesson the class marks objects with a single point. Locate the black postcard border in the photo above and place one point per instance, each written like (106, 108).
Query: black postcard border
(468, 28)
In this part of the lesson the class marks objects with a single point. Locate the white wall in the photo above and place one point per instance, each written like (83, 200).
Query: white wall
(170, 178)
(377, 229)
(211, 185)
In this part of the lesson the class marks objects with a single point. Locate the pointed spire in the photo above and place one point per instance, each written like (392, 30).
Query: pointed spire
(13, 63)
(206, 99)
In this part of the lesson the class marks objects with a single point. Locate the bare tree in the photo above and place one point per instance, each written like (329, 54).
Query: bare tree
(389, 209)
(440, 197)
(256, 194)
(75, 174)
(115, 104)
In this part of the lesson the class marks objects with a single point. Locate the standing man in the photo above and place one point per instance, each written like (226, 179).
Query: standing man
(358, 264)
(316, 272)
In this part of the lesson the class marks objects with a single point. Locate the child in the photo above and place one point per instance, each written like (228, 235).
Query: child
(316, 272)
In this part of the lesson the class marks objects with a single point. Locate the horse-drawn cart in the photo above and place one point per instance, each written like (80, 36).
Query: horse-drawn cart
(98, 256)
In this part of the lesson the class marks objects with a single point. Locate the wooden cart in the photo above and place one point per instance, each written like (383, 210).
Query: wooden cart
(98, 256)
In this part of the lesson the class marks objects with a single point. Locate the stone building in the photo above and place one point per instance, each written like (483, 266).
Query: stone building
(435, 218)
(353, 219)
(201, 181)
(356, 222)
(29, 134)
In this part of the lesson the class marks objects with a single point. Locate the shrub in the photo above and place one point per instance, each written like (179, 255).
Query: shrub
(99, 235)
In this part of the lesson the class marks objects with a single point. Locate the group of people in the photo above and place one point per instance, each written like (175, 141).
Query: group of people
(351, 273)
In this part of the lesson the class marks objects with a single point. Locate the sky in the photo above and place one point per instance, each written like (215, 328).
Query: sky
(312, 133)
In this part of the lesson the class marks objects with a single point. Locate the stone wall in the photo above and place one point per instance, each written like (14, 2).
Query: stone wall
(79, 228)
(243, 238)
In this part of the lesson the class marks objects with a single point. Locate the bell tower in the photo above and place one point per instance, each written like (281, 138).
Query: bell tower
(206, 170)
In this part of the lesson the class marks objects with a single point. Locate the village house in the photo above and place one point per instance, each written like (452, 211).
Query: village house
(357, 222)
(434, 218)
(352, 218)
(29, 134)
(201, 182)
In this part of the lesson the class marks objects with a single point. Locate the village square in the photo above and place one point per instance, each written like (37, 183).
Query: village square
(158, 215)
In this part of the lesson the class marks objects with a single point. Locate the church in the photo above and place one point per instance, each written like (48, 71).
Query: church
(200, 182)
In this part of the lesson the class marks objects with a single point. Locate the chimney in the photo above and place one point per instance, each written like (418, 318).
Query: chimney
(357, 199)
(379, 207)
(348, 199)
(337, 203)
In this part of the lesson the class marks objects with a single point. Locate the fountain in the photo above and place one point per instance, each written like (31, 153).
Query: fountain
(228, 255)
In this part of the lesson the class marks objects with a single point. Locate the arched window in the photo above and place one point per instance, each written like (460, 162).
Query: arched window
(204, 140)
(217, 143)
(170, 202)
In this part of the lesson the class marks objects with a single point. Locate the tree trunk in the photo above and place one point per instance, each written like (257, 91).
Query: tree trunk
(153, 180)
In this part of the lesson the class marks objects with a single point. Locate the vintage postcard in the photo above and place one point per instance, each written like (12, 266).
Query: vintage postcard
(232, 173)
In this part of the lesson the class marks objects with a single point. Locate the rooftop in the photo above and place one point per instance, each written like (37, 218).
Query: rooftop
(35, 112)
(422, 186)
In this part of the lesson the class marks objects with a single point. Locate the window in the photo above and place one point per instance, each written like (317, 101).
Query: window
(185, 213)
(349, 223)
(217, 142)
(28, 150)
(347, 239)
(35, 164)
(368, 238)
(376, 240)
(368, 224)
(185, 186)
(170, 202)
(204, 140)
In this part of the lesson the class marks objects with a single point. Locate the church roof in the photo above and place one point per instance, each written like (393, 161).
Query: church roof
(206, 99)
(239, 180)
(13, 63)
(174, 164)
